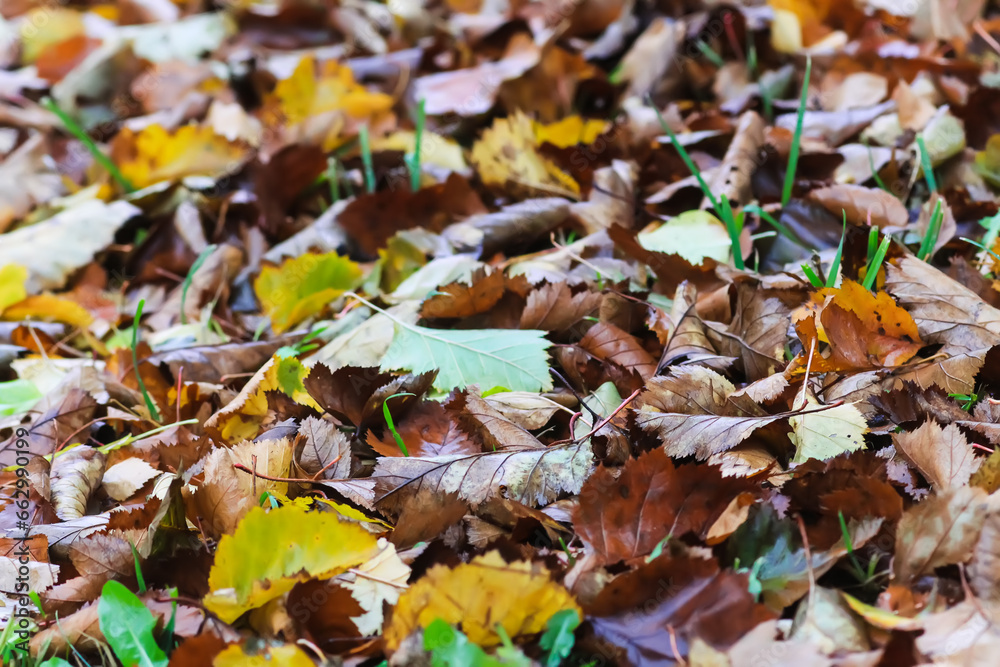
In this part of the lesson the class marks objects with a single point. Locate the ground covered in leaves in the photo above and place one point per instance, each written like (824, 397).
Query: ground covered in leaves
(482, 332)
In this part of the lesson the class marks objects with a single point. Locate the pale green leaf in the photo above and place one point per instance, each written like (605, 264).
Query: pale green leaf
(694, 235)
(825, 433)
(510, 358)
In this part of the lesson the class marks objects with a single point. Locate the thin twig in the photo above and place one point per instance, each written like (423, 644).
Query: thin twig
(603, 423)
(243, 468)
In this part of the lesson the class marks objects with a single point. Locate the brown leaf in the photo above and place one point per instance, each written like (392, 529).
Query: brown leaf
(324, 609)
(625, 517)
(732, 179)
(757, 333)
(859, 202)
(371, 219)
(460, 299)
(946, 314)
(344, 392)
(609, 343)
(324, 445)
(610, 201)
(428, 430)
(554, 307)
(943, 456)
(863, 330)
(652, 615)
(671, 270)
(694, 412)
(482, 421)
(941, 530)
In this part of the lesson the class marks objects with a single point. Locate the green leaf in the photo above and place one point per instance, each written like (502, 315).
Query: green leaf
(826, 432)
(270, 552)
(128, 627)
(451, 648)
(694, 235)
(55, 662)
(17, 396)
(558, 639)
(302, 286)
(511, 358)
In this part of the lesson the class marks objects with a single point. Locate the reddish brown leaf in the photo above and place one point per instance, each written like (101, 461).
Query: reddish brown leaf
(609, 343)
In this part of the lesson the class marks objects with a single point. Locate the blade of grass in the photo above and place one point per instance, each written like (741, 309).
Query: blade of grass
(391, 425)
(190, 276)
(876, 264)
(73, 128)
(981, 246)
(831, 278)
(933, 231)
(726, 212)
(871, 165)
(793, 152)
(778, 226)
(332, 167)
(925, 164)
(812, 276)
(366, 159)
(150, 405)
(710, 53)
(872, 243)
(413, 161)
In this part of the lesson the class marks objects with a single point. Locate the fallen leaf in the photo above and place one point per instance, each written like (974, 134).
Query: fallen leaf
(301, 287)
(943, 456)
(260, 562)
(482, 594)
(507, 156)
(942, 530)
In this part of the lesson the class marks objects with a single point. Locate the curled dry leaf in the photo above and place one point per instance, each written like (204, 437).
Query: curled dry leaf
(75, 475)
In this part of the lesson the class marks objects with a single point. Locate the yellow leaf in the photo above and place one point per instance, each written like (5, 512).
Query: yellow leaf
(270, 551)
(46, 26)
(302, 286)
(507, 155)
(881, 618)
(154, 154)
(480, 595)
(324, 101)
(434, 149)
(569, 131)
(50, 308)
(286, 655)
(242, 417)
(12, 279)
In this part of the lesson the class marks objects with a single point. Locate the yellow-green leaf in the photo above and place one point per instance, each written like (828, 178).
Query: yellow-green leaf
(270, 551)
(12, 279)
(302, 286)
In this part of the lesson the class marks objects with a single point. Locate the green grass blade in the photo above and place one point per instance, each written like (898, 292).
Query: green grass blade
(190, 277)
(780, 227)
(392, 425)
(871, 165)
(366, 159)
(813, 278)
(332, 167)
(872, 243)
(876, 263)
(710, 53)
(413, 161)
(724, 212)
(793, 153)
(150, 405)
(73, 128)
(925, 164)
(933, 231)
(831, 279)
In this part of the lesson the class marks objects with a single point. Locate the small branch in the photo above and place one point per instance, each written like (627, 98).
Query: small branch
(250, 471)
(603, 423)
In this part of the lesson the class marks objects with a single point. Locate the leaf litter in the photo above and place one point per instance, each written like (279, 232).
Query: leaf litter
(499, 334)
